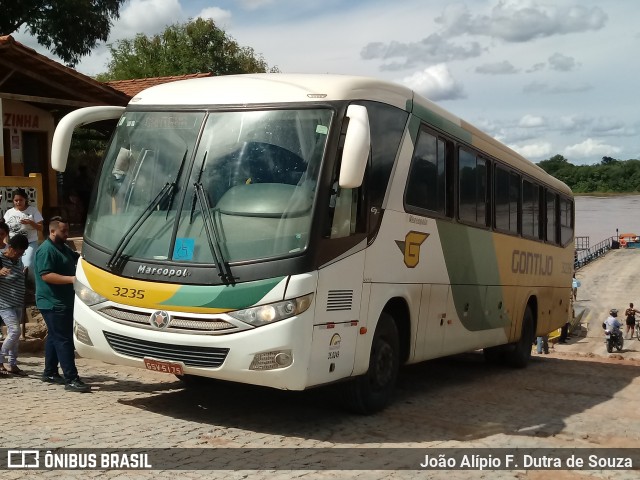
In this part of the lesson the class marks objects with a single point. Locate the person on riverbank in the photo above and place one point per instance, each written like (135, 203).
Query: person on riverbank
(542, 343)
(12, 287)
(630, 320)
(574, 288)
(55, 270)
(26, 220)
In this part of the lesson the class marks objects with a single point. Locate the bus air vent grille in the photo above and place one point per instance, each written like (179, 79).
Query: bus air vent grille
(178, 324)
(192, 356)
(339, 300)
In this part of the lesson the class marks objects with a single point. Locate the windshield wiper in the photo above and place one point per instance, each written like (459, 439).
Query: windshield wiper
(117, 260)
(173, 190)
(193, 200)
(213, 235)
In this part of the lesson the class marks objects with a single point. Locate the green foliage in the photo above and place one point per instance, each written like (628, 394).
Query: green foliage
(197, 46)
(609, 176)
(69, 28)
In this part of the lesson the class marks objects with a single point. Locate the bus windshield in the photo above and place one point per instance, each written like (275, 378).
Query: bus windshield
(209, 188)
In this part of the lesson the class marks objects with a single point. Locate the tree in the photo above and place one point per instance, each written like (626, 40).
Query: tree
(69, 28)
(197, 46)
(554, 164)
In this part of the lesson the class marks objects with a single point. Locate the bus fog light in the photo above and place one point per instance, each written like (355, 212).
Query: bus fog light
(271, 360)
(82, 334)
(283, 359)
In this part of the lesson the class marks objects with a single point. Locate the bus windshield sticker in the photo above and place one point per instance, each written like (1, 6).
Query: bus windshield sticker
(322, 129)
(184, 249)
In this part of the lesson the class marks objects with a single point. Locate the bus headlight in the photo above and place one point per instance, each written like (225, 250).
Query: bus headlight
(87, 295)
(273, 312)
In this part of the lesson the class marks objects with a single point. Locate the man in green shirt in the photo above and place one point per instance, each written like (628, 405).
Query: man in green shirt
(55, 269)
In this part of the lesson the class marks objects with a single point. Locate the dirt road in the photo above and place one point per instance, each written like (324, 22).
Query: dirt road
(612, 281)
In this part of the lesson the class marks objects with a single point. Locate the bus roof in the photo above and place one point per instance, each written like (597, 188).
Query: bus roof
(268, 88)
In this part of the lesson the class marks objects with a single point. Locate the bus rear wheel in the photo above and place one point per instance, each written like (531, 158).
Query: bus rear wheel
(520, 353)
(514, 354)
(373, 391)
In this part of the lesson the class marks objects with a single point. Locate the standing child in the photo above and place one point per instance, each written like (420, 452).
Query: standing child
(12, 302)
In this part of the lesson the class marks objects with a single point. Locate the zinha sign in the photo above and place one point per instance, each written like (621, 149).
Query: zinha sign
(20, 120)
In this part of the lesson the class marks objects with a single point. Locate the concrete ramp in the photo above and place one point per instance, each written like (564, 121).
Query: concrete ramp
(612, 281)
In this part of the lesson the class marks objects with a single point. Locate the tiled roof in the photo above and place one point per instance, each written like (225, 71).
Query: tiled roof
(29, 76)
(135, 86)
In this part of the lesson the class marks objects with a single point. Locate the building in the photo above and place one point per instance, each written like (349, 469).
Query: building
(35, 92)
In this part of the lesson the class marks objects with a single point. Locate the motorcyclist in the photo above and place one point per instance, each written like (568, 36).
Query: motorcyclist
(612, 323)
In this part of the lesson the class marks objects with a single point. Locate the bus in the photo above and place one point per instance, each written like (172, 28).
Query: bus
(294, 231)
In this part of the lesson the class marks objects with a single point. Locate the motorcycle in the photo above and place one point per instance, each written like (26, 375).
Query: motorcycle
(614, 339)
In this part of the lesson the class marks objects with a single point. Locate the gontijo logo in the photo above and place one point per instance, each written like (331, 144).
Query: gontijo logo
(411, 247)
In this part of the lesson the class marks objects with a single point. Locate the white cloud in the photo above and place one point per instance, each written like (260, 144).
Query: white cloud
(501, 68)
(146, 16)
(218, 15)
(435, 83)
(529, 121)
(591, 148)
(562, 63)
(518, 21)
(534, 150)
(432, 49)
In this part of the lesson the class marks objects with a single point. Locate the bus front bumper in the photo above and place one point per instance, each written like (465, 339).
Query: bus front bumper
(276, 355)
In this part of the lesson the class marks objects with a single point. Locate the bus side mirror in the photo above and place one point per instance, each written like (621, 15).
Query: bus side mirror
(64, 130)
(357, 144)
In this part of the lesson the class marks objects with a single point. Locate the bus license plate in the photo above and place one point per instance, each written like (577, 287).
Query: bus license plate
(163, 367)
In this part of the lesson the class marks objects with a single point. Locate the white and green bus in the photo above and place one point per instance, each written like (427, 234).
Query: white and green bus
(293, 231)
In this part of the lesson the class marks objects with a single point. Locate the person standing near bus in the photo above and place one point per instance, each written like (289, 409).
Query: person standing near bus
(26, 220)
(55, 269)
(12, 302)
(630, 320)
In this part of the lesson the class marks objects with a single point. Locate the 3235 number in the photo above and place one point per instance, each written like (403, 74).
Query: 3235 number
(128, 292)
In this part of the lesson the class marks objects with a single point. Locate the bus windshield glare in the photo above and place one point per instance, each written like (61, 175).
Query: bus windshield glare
(209, 188)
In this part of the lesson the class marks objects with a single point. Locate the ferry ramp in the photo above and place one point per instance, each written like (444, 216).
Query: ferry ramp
(611, 281)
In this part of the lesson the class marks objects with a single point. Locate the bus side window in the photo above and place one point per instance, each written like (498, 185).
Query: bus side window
(428, 187)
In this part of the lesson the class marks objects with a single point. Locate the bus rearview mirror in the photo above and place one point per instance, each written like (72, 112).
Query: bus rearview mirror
(64, 130)
(357, 144)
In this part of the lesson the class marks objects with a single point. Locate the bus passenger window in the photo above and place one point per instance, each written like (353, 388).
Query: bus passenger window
(427, 185)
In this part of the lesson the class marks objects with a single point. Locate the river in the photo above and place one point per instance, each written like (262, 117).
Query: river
(599, 217)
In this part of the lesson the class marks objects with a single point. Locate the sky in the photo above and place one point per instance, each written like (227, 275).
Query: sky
(545, 77)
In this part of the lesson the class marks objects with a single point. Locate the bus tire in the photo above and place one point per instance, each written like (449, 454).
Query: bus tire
(520, 353)
(494, 355)
(372, 392)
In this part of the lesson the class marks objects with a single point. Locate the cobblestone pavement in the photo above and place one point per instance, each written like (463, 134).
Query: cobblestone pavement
(558, 401)
(577, 396)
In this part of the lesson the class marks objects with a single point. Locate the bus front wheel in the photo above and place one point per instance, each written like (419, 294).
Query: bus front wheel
(373, 391)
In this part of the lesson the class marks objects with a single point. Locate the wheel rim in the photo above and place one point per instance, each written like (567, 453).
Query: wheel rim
(383, 365)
